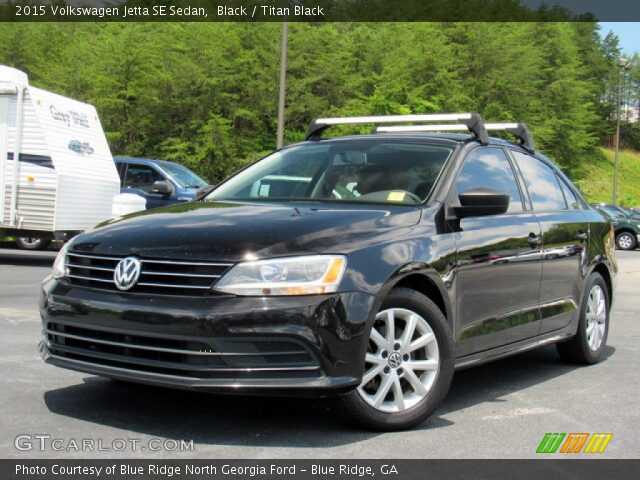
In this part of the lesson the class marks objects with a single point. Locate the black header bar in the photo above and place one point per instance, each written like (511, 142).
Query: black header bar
(347, 469)
(319, 10)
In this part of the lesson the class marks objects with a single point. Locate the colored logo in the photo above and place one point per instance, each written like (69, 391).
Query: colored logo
(574, 442)
(83, 148)
(127, 273)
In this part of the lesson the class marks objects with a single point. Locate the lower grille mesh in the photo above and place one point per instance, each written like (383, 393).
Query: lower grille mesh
(192, 358)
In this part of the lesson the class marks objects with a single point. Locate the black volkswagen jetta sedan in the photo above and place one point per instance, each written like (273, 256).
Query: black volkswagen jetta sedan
(368, 267)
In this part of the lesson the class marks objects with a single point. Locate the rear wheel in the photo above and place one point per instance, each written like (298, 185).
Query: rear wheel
(626, 241)
(408, 364)
(588, 344)
(32, 243)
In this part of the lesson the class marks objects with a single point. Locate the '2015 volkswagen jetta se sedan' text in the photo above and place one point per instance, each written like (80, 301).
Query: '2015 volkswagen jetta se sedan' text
(367, 267)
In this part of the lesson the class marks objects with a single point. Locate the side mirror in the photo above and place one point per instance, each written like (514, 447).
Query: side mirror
(162, 187)
(204, 191)
(482, 201)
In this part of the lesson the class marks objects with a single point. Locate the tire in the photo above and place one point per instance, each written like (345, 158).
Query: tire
(30, 243)
(390, 376)
(626, 241)
(587, 345)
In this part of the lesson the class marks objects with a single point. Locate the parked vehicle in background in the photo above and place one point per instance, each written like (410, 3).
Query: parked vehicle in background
(366, 266)
(57, 176)
(634, 212)
(626, 227)
(160, 182)
(32, 243)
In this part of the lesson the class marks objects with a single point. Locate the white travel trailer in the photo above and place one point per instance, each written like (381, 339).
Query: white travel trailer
(64, 179)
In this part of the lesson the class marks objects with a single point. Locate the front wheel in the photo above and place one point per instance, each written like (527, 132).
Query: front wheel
(408, 364)
(626, 241)
(588, 344)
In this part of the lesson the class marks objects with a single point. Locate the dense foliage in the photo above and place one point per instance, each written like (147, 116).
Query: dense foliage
(205, 94)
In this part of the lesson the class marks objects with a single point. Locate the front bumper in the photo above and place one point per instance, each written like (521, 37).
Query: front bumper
(269, 345)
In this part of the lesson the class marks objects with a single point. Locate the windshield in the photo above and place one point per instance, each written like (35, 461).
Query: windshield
(613, 211)
(604, 214)
(183, 176)
(363, 171)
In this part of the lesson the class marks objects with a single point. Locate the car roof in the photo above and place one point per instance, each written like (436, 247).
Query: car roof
(144, 161)
(439, 138)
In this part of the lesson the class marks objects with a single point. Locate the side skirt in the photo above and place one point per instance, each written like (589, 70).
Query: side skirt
(514, 348)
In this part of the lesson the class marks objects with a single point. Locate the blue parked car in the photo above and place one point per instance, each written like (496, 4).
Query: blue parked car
(160, 182)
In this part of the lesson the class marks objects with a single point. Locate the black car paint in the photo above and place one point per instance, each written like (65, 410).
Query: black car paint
(217, 231)
(500, 292)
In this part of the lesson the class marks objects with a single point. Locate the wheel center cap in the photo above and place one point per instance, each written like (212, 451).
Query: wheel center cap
(395, 360)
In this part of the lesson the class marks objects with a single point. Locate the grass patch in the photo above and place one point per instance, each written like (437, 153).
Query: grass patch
(596, 182)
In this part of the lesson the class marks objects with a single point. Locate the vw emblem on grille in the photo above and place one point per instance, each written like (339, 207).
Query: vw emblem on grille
(395, 360)
(127, 273)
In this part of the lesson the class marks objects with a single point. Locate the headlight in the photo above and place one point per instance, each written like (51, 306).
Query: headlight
(59, 268)
(309, 275)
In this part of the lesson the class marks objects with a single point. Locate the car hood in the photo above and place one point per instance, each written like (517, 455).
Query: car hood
(231, 231)
(626, 221)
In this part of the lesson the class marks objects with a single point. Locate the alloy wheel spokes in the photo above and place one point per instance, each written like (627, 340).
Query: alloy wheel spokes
(409, 329)
(398, 394)
(401, 363)
(421, 342)
(422, 365)
(379, 340)
(383, 390)
(415, 382)
(625, 241)
(390, 331)
(596, 317)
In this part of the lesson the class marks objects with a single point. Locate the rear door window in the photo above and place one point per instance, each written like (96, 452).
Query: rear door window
(542, 183)
(570, 197)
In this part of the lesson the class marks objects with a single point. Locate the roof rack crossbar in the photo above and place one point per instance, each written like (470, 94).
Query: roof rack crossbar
(445, 127)
(471, 121)
(520, 130)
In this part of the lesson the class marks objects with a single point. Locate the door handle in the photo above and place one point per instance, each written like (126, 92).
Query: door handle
(534, 241)
(582, 236)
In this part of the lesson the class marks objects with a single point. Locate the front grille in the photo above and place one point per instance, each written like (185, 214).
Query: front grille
(164, 277)
(189, 358)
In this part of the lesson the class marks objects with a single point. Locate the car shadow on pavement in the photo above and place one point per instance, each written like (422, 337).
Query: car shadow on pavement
(279, 421)
(493, 381)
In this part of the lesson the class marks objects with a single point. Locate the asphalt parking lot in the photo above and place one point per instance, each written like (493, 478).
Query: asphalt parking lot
(499, 410)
